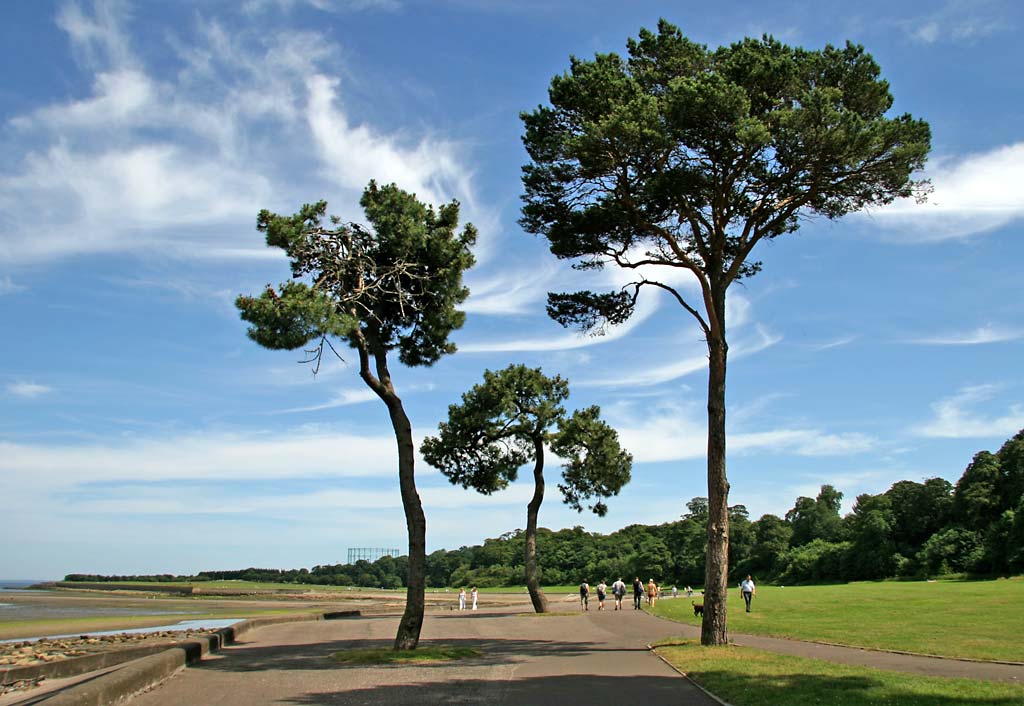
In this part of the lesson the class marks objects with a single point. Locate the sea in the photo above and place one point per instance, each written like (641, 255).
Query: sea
(17, 584)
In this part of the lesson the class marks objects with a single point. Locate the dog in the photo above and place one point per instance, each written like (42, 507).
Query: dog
(698, 609)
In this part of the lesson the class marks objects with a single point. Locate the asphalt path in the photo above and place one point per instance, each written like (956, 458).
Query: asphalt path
(596, 658)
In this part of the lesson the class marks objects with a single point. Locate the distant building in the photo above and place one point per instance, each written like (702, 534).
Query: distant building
(370, 554)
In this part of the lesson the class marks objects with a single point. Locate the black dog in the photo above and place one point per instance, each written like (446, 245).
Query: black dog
(698, 608)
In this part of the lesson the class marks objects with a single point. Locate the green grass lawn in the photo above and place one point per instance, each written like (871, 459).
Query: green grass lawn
(978, 619)
(748, 677)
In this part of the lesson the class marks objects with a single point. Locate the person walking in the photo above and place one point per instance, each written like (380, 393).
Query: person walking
(475, 594)
(462, 598)
(638, 592)
(652, 592)
(585, 595)
(602, 591)
(618, 590)
(748, 589)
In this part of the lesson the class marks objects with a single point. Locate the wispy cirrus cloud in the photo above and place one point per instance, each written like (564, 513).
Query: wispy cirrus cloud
(958, 417)
(510, 292)
(972, 195)
(698, 361)
(962, 21)
(982, 335)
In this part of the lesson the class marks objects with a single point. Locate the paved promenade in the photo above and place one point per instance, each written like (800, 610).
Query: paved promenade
(595, 658)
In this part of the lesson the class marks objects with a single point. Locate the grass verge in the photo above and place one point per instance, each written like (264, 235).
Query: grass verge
(975, 619)
(386, 655)
(745, 676)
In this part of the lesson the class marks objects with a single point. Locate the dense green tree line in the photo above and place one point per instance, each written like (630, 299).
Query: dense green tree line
(911, 530)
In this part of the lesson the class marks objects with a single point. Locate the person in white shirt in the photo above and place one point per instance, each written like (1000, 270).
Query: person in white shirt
(475, 595)
(618, 590)
(462, 599)
(748, 589)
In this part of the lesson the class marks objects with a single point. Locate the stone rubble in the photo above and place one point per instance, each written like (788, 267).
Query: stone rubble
(50, 650)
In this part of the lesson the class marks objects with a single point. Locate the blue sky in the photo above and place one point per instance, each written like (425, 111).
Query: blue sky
(141, 431)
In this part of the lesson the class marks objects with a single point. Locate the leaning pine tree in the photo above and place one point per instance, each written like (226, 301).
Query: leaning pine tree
(504, 423)
(684, 158)
(394, 287)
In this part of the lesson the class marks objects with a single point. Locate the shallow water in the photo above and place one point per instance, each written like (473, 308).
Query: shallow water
(10, 612)
(182, 625)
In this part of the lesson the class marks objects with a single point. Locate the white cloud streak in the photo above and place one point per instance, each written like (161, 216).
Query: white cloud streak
(505, 292)
(835, 343)
(671, 432)
(192, 500)
(973, 195)
(955, 417)
(28, 390)
(8, 286)
(213, 456)
(980, 336)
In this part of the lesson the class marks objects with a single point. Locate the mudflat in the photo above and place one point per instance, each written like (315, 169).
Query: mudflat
(31, 614)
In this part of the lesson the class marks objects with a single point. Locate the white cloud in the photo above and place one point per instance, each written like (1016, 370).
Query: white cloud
(353, 396)
(343, 398)
(510, 292)
(8, 286)
(979, 336)
(258, 6)
(28, 389)
(973, 195)
(834, 343)
(212, 456)
(670, 432)
(927, 32)
(802, 442)
(180, 161)
(955, 418)
(614, 278)
(686, 364)
(99, 38)
(962, 21)
(183, 499)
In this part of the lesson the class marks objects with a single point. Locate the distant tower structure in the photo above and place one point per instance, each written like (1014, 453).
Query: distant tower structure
(370, 554)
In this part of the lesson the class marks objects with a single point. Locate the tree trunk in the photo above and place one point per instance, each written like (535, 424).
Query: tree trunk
(540, 602)
(716, 567)
(412, 620)
(409, 627)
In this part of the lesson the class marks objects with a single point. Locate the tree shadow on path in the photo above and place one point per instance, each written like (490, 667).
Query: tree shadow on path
(316, 655)
(589, 689)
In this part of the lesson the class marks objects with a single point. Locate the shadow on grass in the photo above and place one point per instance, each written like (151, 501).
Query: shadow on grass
(589, 689)
(810, 689)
